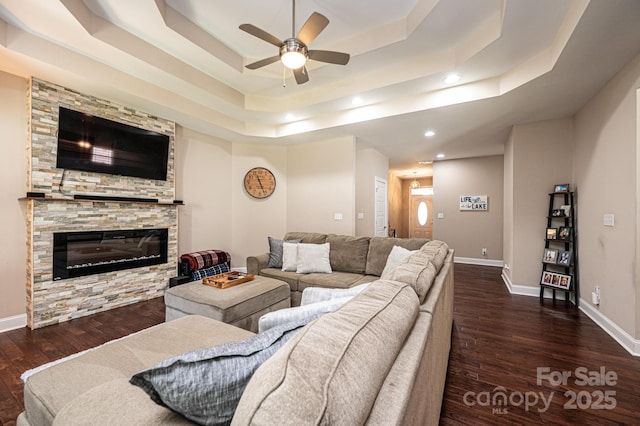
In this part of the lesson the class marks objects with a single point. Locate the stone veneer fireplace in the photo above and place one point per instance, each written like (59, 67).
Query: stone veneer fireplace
(104, 207)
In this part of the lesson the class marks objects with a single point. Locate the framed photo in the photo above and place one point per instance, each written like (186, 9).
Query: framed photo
(567, 209)
(561, 187)
(557, 213)
(546, 278)
(552, 233)
(565, 233)
(550, 256)
(564, 281)
(564, 258)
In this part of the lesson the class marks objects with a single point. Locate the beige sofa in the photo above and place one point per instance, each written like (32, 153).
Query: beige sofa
(354, 261)
(380, 359)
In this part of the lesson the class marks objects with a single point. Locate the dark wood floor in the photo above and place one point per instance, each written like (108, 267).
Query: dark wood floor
(498, 342)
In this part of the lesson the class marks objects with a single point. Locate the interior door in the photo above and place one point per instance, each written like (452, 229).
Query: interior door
(421, 216)
(381, 208)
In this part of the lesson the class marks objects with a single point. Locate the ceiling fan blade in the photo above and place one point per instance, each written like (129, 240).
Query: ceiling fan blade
(301, 75)
(263, 62)
(314, 26)
(261, 34)
(337, 58)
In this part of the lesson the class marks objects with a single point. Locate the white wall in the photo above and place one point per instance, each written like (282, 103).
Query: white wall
(541, 158)
(203, 166)
(253, 220)
(13, 172)
(606, 172)
(369, 165)
(469, 231)
(321, 182)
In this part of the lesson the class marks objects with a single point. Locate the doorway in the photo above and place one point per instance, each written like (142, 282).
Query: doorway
(420, 216)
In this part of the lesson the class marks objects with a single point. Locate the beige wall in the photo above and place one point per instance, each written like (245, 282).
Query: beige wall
(369, 165)
(507, 221)
(321, 181)
(540, 157)
(606, 173)
(469, 231)
(13, 172)
(253, 220)
(203, 166)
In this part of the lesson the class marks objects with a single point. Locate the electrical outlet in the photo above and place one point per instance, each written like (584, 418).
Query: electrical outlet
(484, 251)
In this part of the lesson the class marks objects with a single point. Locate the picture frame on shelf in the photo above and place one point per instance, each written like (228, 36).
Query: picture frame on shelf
(546, 278)
(558, 213)
(564, 258)
(550, 256)
(565, 233)
(564, 281)
(561, 187)
(567, 209)
(552, 233)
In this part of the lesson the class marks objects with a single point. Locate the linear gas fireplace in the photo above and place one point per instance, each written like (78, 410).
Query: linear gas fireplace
(76, 254)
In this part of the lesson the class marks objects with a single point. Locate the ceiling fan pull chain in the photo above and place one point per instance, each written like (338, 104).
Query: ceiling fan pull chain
(284, 77)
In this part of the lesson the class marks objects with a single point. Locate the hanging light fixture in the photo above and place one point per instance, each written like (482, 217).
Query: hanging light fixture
(415, 184)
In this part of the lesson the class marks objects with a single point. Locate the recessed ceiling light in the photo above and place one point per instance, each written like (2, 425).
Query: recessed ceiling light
(289, 116)
(452, 78)
(429, 133)
(357, 101)
(440, 156)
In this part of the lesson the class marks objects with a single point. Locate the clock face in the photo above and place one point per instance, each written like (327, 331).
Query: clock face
(259, 182)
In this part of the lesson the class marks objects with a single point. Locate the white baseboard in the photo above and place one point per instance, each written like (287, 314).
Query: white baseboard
(619, 335)
(11, 323)
(481, 262)
(623, 338)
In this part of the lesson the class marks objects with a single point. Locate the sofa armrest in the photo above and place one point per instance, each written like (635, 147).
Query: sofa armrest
(257, 263)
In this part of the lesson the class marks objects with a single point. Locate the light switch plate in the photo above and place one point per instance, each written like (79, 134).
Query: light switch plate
(608, 219)
(440, 216)
(338, 216)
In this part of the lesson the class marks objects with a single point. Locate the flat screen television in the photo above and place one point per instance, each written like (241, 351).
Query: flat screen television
(94, 144)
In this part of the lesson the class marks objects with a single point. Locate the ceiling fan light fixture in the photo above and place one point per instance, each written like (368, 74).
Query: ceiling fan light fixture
(293, 54)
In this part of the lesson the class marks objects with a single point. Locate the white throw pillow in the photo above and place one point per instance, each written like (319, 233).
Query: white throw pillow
(299, 313)
(320, 294)
(397, 255)
(313, 258)
(290, 257)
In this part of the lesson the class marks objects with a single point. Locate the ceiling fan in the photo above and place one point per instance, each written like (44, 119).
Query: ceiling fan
(294, 51)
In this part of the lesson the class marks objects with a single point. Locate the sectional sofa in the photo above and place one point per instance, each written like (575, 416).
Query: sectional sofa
(380, 359)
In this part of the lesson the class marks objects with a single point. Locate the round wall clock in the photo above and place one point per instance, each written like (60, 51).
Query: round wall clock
(259, 182)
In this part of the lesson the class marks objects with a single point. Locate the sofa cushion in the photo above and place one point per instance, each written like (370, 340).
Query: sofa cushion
(380, 247)
(275, 251)
(420, 269)
(289, 257)
(298, 313)
(205, 385)
(332, 370)
(397, 255)
(320, 294)
(348, 254)
(307, 237)
(333, 280)
(313, 258)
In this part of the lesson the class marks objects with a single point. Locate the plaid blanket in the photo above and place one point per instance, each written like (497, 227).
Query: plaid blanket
(205, 259)
(220, 268)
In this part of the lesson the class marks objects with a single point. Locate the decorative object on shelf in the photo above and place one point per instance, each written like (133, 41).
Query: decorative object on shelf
(259, 182)
(565, 232)
(474, 202)
(550, 256)
(562, 187)
(415, 184)
(564, 258)
(560, 259)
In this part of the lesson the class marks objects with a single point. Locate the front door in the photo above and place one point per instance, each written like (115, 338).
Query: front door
(420, 216)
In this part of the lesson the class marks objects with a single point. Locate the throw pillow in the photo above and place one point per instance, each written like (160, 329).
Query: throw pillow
(275, 252)
(205, 385)
(313, 258)
(299, 313)
(397, 255)
(320, 294)
(289, 257)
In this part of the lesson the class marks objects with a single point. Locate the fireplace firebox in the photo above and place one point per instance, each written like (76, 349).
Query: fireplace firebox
(76, 254)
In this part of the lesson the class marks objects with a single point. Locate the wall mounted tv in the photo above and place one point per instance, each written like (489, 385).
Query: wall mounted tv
(94, 144)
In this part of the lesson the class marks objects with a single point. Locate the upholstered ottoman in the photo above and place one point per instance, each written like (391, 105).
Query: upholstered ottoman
(241, 305)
